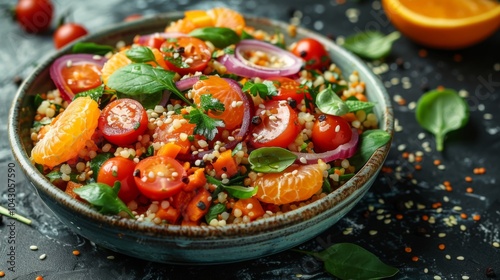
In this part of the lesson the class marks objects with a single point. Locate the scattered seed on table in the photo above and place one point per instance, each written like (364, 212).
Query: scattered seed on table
(33, 248)
(76, 252)
(110, 257)
(468, 179)
(460, 258)
(441, 247)
(496, 244)
(465, 277)
(408, 249)
(39, 277)
(448, 257)
(43, 256)
(2, 274)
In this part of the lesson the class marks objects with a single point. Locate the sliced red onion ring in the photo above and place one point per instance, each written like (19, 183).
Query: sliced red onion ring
(67, 60)
(142, 39)
(343, 151)
(239, 65)
(245, 125)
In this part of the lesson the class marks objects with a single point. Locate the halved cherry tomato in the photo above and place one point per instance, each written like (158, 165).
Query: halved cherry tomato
(288, 88)
(119, 169)
(122, 121)
(67, 33)
(186, 55)
(152, 42)
(82, 76)
(329, 132)
(279, 125)
(313, 52)
(159, 177)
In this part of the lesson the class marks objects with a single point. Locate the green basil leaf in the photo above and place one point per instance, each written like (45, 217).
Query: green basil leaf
(94, 93)
(141, 78)
(330, 103)
(271, 160)
(104, 198)
(245, 35)
(371, 44)
(57, 175)
(38, 100)
(97, 161)
(350, 261)
(240, 192)
(148, 101)
(441, 111)
(356, 105)
(370, 141)
(237, 148)
(140, 54)
(221, 37)
(214, 211)
(92, 48)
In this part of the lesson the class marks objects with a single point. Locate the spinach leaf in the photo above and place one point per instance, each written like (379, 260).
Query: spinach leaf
(356, 105)
(240, 192)
(104, 198)
(214, 211)
(370, 141)
(246, 35)
(141, 54)
(371, 44)
(350, 261)
(91, 48)
(271, 160)
(94, 93)
(57, 175)
(38, 100)
(330, 103)
(148, 101)
(96, 163)
(441, 111)
(141, 78)
(221, 37)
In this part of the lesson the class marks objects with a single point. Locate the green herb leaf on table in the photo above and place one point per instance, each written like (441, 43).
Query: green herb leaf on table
(141, 78)
(91, 48)
(141, 54)
(11, 214)
(266, 89)
(330, 103)
(104, 198)
(271, 159)
(220, 37)
(371, 45)
(441, 111)
(205, 125)
(370, 141)
(350, 261)
(94, 93)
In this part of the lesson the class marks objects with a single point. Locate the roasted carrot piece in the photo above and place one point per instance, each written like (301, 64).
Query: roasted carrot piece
(198, 206)
(250, 207)
(169, 150)
(70, 187)
(196, 179)
(225, 164)
(170, 214)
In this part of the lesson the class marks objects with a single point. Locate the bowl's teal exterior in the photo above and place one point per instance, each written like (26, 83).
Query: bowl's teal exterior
(205, 244)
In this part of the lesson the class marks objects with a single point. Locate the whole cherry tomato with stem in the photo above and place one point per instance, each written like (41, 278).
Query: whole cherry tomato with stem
(329, 132)
(67, 33)
(34, 16)
(313, 52)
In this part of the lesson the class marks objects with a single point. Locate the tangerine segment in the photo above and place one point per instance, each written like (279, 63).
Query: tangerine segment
(446, 24)
(221, 90)
(120, 59)
(68, 134)
(224, 17)
(296, 183)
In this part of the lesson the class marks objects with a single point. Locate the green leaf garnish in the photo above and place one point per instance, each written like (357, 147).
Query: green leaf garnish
(94, 93)
(91, 48)
(356, 105)
(271, 160)
(141, 54)
(97, 161)
(104, 198)
(240, 192)
(214, 211)
(371, 44)
(441, 111)
(370, 141)
(266, 89)
(207, 102)
(220, 37)
(205, 125)
(330, 103)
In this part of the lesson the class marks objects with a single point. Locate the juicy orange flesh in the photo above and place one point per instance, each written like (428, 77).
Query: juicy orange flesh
(69, 134)
(296, 183)
(449, 9)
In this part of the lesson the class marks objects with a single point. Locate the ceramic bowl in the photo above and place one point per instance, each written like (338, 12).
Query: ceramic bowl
(204, 244)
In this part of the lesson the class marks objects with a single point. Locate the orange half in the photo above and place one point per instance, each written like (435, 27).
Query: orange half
(444, 24)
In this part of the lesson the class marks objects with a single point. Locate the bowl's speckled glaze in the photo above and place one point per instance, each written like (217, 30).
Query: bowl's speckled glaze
(205, 244)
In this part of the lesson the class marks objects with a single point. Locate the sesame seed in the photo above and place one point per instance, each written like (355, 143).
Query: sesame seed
(496, 244)
(33, 248)
(110, 257)
(460, 258)
(43, 256)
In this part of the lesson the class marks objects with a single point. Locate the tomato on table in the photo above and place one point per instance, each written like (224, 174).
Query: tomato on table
(313, 52)
(82, 76)
(122, 170)
(329, 132)
(34, 16)
(159, 177)
(67, 33)
(122, 121)
(288, 88)
(276, 125)
(186, 55)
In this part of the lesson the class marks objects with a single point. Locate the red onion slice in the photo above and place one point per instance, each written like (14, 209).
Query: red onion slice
(343, 151)
(67, 60)
(239, 65)
(245, 125)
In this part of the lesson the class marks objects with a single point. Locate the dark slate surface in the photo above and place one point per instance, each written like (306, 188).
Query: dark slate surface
(390, 218)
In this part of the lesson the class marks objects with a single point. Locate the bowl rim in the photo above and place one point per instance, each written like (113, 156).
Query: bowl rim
(260, 226)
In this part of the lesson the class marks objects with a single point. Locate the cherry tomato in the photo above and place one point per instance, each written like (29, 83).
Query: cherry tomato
(67, 33)
(122, 170)
(186, 55)
(152, 42)
(276, 125)
(171, 132)
(34, 16)
(122, 121)
(313, 52)
(329, 132)
(132, 17)
(82, 76)
(288, 88)
(159, 177)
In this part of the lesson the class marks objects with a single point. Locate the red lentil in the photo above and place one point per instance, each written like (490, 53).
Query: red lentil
(463, 216)
(408, 250)
(437, 162)
(76, 252)
(2, 274)
(422, 53)
(399, 216)
(441, 246)
(479, 170)
(468, 179)
(418, 167)
(414, 258)
(476, 217)
(469, 190)
(39, 277)
(425, 218)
